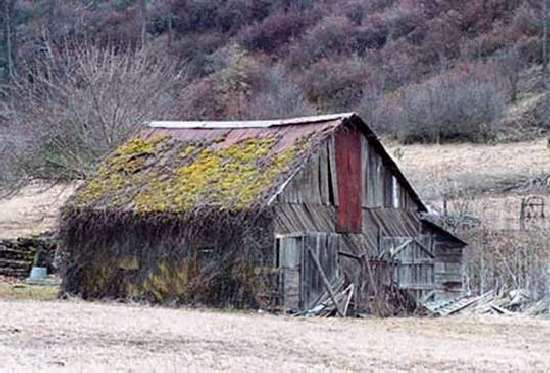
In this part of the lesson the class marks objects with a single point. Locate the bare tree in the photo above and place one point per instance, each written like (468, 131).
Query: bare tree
(63, 114)
(143, 16)
(545, 37)
(510, 64)
(8, 8)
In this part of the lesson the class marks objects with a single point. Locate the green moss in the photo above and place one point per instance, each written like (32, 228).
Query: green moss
(167, 282)
(188, 150)
(139, 145)
(152, 175)
(119, 172)
(230, 178)
(129, 263)
(97, 276)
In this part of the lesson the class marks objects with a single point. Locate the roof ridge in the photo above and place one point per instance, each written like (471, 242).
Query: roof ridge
(248, 123)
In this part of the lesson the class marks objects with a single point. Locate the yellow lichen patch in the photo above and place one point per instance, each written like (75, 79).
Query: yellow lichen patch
(188, 150)
(119, 172)
(153, 175)
(96, 276)
(140, 145)
(232, 177)
(129, 263)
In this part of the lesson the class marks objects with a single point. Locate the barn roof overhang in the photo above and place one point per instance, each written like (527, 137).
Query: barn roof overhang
(430, 223)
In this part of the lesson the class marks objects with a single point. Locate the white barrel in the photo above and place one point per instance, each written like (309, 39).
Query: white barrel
(38, 274)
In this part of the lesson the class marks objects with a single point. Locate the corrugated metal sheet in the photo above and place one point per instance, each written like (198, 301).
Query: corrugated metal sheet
(248, 124)
(350, 180)
(223, 138)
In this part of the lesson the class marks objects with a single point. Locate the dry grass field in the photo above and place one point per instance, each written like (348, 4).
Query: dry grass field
(473, 167)
(76, 336)
(32, 210)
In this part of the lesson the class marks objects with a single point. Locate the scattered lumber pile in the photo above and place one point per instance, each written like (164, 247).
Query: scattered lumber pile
(332, 303)
(342, 300)
(512, 302)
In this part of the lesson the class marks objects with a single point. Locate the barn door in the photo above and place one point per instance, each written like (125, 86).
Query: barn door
(301, 281)
(415, 263)
(288, 256)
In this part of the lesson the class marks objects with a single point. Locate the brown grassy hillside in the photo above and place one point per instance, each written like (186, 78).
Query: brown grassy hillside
(32, 210)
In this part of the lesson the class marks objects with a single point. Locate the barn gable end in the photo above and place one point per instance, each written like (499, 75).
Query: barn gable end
(351, 190)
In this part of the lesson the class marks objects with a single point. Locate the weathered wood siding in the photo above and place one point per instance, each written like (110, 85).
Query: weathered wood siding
(337, 163)
(316, 183)
(447, 266)
(415, 262)
(301, 279)
(289, 254)
(309, 217)
(350, 190)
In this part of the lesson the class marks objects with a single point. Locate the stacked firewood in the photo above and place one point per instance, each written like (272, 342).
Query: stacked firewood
(18, 256)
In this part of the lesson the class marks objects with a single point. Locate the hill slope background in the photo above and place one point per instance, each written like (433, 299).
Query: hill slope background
(81, 76)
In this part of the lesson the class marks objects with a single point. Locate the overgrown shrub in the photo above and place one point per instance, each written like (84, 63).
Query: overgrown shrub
(336, 84)
(328, 38)
(450, 109)
(273, 32)
(280, 98)
(507, 260)
(454, 107)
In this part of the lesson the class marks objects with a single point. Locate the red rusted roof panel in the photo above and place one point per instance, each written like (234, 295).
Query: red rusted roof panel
(348, 173)
(286, 135)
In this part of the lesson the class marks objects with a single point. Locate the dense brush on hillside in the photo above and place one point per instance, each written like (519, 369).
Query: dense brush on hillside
(417, 70)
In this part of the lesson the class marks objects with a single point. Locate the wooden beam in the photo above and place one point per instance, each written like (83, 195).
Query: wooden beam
(350, 291)
(424, 248)
(350, 255)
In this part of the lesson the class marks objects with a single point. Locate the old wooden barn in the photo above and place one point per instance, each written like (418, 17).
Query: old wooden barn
(262, 214)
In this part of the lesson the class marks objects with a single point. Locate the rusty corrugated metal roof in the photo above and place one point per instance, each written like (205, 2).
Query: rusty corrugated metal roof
(247, 124)
(185, 165)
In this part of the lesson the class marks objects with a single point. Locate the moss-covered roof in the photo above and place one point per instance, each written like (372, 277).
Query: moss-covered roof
(187, 168)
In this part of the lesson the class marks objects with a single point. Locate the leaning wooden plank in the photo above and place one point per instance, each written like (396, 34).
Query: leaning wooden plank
(424, 248)
(400, 248)
(350, 295)
(427, 296)
(461, 306)
(332, 165)
(324, 298)
(325, 280)
(350, 255)
(501, 309)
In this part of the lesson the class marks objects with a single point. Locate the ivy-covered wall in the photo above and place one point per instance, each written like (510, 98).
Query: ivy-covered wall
(216, 261)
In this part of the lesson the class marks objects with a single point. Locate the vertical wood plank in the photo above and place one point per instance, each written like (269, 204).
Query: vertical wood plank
(333, 173)
(364, 170)
(323, 175)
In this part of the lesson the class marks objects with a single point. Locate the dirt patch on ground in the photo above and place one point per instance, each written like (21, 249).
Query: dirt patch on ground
(78, 336)
(32, 210)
